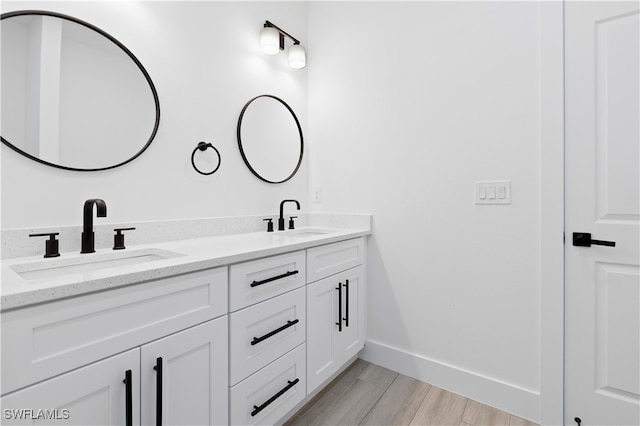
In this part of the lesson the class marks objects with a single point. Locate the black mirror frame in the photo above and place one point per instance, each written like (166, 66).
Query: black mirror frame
(121, 46)
(244, 157)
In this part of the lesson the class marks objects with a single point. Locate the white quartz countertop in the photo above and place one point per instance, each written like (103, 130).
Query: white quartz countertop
(190, 255)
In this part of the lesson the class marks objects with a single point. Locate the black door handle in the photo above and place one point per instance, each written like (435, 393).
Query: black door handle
(268, 280)
(257, 340)
(128, 381)
(346, 304)
(158, 368)
(339, 323)
(290, 384)
(583, 239)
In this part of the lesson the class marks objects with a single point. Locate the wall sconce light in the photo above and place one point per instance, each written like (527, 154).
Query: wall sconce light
(272, 42)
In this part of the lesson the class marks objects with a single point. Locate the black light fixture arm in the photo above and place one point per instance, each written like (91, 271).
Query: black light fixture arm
(282, 33)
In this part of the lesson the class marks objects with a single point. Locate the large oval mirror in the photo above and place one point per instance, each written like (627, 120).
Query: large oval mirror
(270, 139)
(73, 97)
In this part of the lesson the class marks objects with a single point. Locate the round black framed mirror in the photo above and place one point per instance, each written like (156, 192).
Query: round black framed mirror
(73, 96)
(270, 139)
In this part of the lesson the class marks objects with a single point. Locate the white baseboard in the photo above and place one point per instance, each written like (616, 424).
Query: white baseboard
(504, 396)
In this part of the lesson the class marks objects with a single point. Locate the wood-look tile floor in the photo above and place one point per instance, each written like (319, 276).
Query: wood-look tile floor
(367, 394)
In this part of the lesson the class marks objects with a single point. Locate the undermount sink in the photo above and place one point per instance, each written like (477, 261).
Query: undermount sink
(304, 233)
(89, 263)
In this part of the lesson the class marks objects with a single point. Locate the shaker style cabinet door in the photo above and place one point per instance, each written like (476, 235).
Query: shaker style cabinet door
(335, 324)
(184, 377)
(97, 394)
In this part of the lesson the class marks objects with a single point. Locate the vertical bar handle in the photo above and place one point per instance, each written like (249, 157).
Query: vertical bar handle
(128, 398)
(158, 368)
(346, 304)
(339, 323)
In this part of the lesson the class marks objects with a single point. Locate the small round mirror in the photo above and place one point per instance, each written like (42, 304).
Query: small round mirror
(270, 139)
(73, 97)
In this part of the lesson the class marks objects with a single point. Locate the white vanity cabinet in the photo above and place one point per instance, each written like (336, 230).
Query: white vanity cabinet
(267, 331)
(335, 308)
(240, 343)
(74, 354)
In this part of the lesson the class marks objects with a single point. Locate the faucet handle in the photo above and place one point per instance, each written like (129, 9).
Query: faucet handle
(269, 224)
(51, 245)
(118, 238)
(291, 224)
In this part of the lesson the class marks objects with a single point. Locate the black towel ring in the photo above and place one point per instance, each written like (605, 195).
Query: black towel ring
(202, 146)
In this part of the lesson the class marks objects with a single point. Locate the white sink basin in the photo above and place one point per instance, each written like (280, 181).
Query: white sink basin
(89, 263)
(304, 233)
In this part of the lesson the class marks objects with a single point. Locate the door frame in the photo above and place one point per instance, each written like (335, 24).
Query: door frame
(552, 199)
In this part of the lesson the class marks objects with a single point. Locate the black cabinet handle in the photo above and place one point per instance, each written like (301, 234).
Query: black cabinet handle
(128, 398)
(257, 409)
(346, 305)
(257, 340)
(583, 239)
(339, 323)
(268, 280)
(158, 368)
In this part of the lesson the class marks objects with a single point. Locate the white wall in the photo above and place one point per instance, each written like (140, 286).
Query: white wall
(205, 61)
(409, 105)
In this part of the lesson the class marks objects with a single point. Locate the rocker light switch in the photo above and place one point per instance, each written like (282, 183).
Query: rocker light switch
(491, 189)
(493, 192)
(482, 192)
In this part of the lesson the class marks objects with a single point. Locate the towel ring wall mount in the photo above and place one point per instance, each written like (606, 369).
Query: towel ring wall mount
(203, 146)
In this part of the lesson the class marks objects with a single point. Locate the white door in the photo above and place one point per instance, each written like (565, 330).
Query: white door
(187, 374)
(602, 283)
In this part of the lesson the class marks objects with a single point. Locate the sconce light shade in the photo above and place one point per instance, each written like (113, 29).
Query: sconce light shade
(297, 56)
(270, 40)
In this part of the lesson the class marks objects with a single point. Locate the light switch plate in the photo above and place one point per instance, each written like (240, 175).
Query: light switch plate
(493, 192)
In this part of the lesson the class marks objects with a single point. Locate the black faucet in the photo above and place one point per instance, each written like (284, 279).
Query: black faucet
(281, 219)
(88, 244)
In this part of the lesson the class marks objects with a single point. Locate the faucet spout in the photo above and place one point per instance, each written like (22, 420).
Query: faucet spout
(281, 218)
(88, 236)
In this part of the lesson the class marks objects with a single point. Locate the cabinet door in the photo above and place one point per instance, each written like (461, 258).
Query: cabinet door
(185, 377)
(322, 318)
(91, 395)
(351, 338)
(335, 323)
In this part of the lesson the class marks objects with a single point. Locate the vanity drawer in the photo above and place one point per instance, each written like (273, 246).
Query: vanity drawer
(45, 340)
(272, 392)
(263, 332)
(330, 259)
(258, 280)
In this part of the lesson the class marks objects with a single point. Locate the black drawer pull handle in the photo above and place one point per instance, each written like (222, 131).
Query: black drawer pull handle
(346, 305)
(583, 239)
(257, 340)
(268, 280)
(339, 323)
(257, 409)
(129, 398)
(158, 368)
